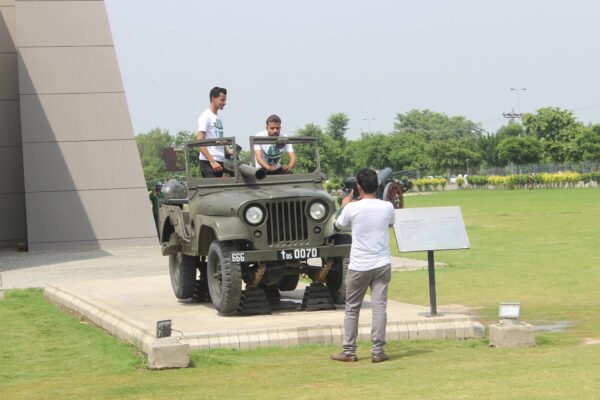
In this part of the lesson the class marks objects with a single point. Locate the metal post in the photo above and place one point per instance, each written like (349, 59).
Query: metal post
(432, 296)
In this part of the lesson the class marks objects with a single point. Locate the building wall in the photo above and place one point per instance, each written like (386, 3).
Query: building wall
(84, 185)
(12, 196)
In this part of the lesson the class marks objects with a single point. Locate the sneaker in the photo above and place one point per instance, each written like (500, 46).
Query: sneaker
(381, 357)
(344, 357)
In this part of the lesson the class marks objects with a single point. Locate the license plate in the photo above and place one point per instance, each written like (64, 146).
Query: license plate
(298, 254)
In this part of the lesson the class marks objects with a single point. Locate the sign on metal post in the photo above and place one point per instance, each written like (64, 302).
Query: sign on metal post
(429, 229)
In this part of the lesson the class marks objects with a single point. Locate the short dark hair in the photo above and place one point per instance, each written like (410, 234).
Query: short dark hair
(367, 179)
(216, 92)
(274, 118)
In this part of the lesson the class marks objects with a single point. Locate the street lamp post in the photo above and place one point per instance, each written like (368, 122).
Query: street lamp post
(369, 119)
(518, 90)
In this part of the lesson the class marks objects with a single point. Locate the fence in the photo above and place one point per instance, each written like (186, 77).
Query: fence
(512, 169)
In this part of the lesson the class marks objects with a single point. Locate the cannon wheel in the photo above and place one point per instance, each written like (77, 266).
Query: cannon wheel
(393, 194)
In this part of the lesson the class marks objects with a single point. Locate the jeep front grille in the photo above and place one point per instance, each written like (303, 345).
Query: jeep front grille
(286, 223)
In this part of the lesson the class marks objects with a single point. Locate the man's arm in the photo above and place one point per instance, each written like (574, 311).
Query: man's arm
(292, 162)
(342, 221)
(201, 135)
(260, 160)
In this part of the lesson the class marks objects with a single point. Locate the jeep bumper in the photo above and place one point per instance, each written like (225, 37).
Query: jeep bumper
(291, 254)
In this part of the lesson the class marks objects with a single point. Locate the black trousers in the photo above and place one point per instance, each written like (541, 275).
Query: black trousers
(207, 170)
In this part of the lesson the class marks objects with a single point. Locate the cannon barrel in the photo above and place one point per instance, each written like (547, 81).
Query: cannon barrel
(251, 172)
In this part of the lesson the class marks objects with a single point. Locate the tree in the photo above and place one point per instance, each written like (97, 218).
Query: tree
(556, 129)
(305, 155)
(453, 155)
(520, 150)
(337, 126)
(424, 138)
(588, 142)
(488, 149)
(407, 152)
(150, 146)
(510, 130)
(181, 138)
(337, 157)
(436, 126)
(370, 151)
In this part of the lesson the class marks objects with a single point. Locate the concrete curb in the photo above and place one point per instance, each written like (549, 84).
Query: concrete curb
(160, 355)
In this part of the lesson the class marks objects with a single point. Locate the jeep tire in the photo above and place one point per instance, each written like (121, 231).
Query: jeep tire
(224, 277)
(182, 270)
(336, 278)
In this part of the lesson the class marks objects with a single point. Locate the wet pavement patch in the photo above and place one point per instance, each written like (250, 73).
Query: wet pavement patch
(556, 327)
(591, 341)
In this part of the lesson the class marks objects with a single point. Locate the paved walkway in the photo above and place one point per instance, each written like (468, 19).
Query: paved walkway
(37, 270)
(125, 291)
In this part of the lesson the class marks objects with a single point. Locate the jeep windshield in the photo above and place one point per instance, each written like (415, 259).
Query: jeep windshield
(241, 168)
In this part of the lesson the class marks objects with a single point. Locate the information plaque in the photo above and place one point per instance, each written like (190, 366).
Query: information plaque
(430, 229)
(433, 228)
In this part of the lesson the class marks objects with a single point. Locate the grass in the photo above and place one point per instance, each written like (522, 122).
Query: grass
(537, 247)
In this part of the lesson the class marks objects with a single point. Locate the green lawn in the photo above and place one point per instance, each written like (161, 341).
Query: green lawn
(536, 247)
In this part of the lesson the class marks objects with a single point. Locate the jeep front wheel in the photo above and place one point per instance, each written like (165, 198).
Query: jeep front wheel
(182, 270)
(336, 278)
(224, 277)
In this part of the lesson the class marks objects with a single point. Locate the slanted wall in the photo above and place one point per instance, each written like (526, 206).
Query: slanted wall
(12, 196)
(84, 185)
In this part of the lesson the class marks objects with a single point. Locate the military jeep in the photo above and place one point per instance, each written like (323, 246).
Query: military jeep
(251, 231)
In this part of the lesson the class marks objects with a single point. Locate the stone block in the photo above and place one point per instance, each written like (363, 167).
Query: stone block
(7, 29)
(10, 123)
(60, 70)
(168, 353)
(511, 334)
(75, 117)
(85, 216)
(82, 23)
(11, 170)
(12, 215)
(71, 166)
(9, 84)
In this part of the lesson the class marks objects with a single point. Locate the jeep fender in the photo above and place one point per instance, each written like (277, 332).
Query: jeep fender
(207, 228)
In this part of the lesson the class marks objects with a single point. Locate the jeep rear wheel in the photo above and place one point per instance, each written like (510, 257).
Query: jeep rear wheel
(336, 278)
(182, 270)
(224, 277)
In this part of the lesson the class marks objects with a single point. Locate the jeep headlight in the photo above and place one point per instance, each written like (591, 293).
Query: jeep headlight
(318, 211)
(254, 215)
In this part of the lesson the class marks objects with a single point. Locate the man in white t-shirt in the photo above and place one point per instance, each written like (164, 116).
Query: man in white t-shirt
(211, 127)
(268, 156)
(370, 264)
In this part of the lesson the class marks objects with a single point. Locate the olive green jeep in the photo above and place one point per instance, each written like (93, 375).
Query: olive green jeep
(249, 230)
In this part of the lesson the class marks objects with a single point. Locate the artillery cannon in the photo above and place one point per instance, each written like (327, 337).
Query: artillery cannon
(390, 188)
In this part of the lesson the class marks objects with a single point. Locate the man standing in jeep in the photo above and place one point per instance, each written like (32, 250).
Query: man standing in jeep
(268, 156)
(211, 127)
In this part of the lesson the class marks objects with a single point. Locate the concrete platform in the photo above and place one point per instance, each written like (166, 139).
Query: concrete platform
(129, 308)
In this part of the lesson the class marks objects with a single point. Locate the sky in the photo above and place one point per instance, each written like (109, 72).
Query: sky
(305, 60)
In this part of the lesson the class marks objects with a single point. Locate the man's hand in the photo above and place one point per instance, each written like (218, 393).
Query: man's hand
(347, 199)
(216, 166)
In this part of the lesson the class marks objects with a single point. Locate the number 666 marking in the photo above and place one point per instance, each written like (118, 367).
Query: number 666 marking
(237, 257)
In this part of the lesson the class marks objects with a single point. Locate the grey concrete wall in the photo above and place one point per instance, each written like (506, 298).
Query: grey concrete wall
(12, 197)
(84, 185)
